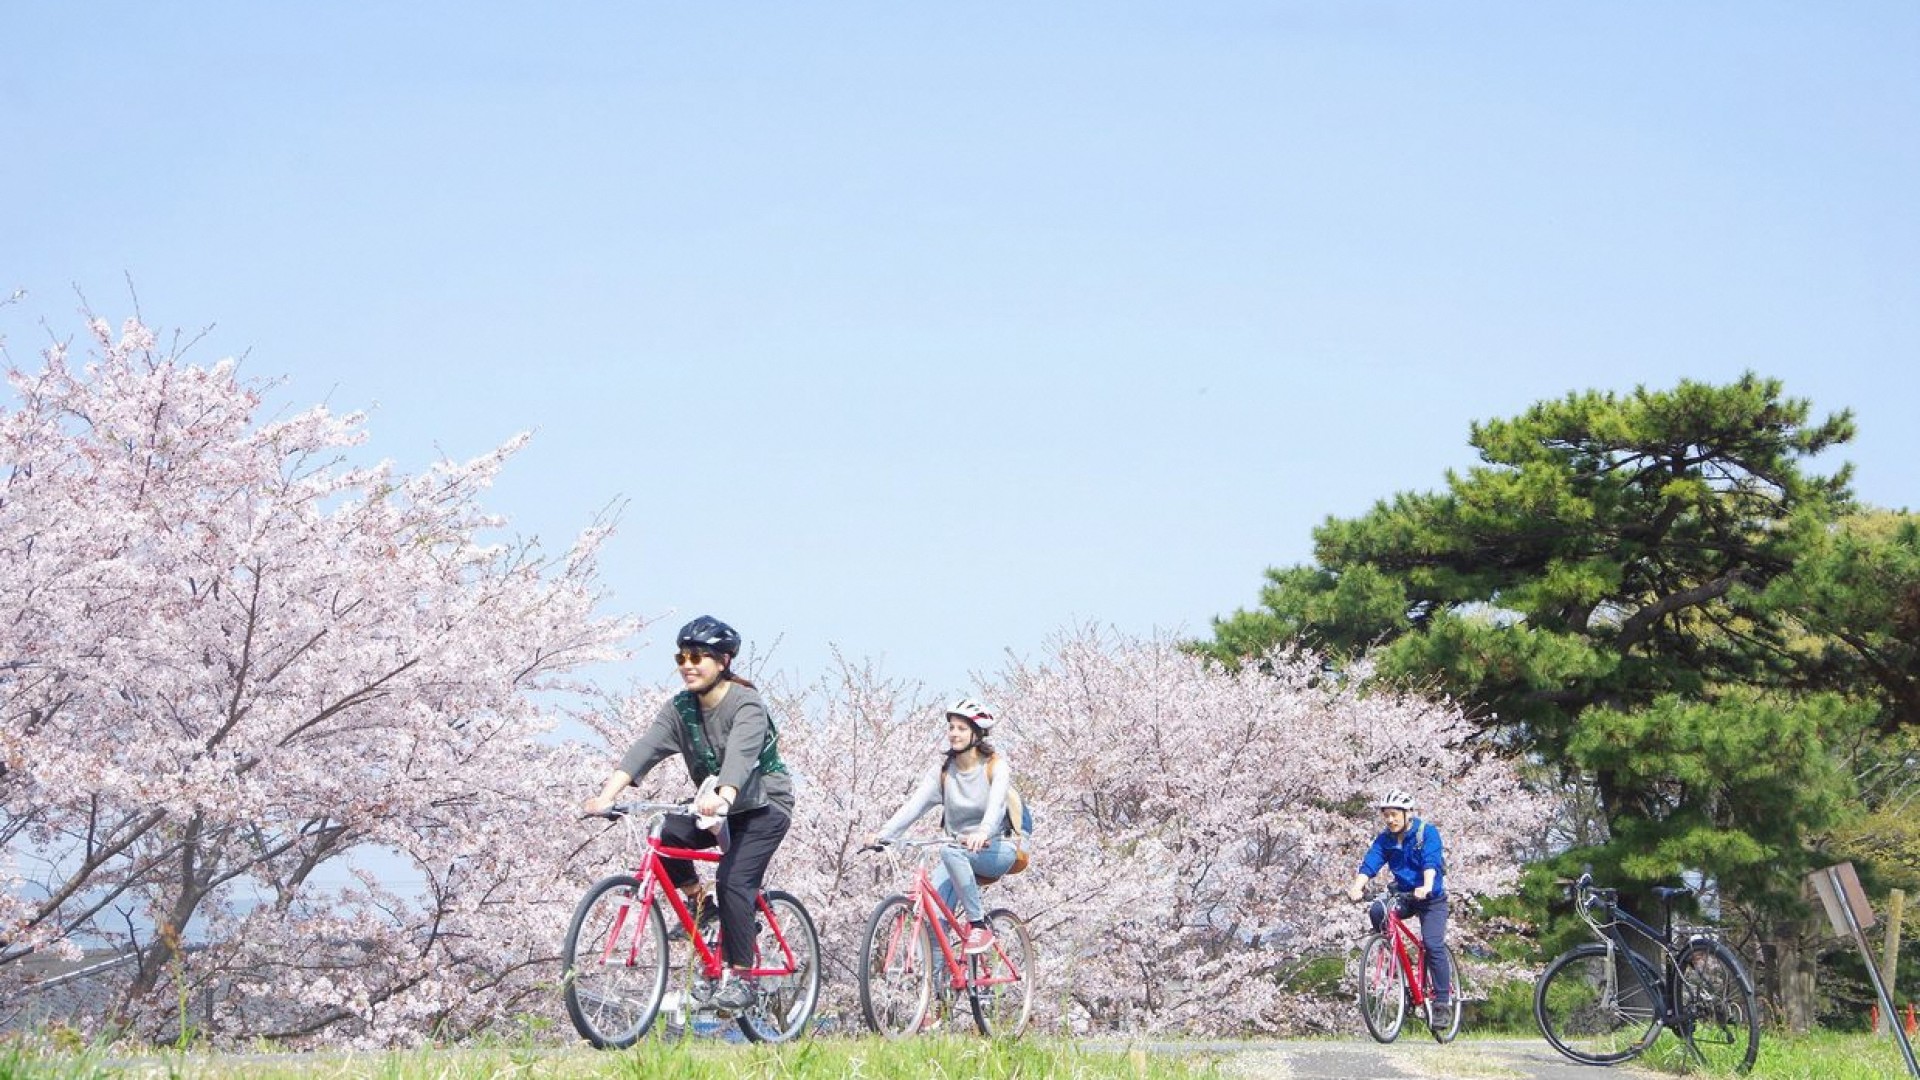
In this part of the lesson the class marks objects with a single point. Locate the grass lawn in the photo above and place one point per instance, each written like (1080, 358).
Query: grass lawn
(811, 1059)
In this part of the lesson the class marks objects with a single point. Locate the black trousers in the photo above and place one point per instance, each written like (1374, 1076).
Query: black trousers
(754, 835)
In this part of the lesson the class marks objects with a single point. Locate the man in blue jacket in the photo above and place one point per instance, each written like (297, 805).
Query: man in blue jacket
(1411, 849)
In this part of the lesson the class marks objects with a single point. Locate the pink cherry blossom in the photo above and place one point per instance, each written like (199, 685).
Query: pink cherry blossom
(305, 739)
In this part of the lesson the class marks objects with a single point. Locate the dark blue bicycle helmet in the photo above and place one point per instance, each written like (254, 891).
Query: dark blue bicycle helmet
(709, 633)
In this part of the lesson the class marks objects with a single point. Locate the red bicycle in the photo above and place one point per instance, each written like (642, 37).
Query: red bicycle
(618, 972)
(1394, 978)
(902, 990)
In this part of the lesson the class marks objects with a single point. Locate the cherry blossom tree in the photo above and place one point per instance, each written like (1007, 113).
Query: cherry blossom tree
(1202, 825)
(283, 731)
(231, 660)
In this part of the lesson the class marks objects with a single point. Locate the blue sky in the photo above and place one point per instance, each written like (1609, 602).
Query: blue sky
(924, 331)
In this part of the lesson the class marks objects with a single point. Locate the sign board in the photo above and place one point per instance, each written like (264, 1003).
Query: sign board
(1837, 885)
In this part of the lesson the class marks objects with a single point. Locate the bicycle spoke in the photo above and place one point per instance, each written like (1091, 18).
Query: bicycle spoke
(1716, 1010)
(614, 964)
(1383, 989)
(896, 962)
(784, 1001)
(1001, 979)
(1591, 1011)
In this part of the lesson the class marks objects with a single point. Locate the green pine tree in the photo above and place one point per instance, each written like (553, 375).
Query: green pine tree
(1613, 590)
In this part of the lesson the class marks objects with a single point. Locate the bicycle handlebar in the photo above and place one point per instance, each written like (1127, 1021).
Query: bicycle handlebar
(1379, 892)
(620, 810)
(908, 843)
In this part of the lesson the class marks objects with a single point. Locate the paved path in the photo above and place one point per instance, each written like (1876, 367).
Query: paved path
(1408, 1059)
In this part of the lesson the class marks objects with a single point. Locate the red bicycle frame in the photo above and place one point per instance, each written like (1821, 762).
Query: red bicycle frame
(651, 872)
(1408, 951)
(934, 913)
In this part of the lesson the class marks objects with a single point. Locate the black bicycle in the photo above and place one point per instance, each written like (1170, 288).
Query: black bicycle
(1603, 1002)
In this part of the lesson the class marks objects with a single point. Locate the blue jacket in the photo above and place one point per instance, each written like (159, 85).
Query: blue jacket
(1410, 859)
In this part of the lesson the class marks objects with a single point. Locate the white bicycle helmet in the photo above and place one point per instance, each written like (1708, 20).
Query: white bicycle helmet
(1395, 800)
(973, 712)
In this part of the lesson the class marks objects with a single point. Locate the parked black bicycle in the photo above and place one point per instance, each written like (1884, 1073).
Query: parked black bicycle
(1604, 1002)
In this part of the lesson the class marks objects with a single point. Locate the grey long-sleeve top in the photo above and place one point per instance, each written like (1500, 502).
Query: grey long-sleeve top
(968, 796)
(738, 731)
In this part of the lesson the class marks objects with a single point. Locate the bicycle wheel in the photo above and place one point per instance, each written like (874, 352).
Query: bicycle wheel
(1383, 989)
(688, 987)
(1444, 1021)
(784, 1003)
(1717, 1016)
(896, 969)
(1000, 980)
(1447, 1024)
(1593, 1012)
(613, 964)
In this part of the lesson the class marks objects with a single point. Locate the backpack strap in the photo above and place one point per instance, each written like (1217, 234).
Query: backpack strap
(1016, 813)
(1013, 798)
(1419, 843)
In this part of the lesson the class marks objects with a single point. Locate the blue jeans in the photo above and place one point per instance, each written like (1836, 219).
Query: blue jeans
(1432, 913)
(964, 868)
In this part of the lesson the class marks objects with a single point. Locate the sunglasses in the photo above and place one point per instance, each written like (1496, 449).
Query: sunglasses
(692, 656)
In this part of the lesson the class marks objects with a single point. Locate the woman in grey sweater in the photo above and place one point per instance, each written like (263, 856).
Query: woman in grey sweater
(970, 785)
(719, 726)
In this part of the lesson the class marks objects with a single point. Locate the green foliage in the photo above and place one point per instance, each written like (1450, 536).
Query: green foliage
(1888, 841)
(1745, 777)
(1644, 592)
(23, 1057)
(1321, 977)
(1855, 588)
(1507, 1009)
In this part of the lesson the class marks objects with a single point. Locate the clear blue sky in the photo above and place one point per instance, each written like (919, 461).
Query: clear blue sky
(924, 331)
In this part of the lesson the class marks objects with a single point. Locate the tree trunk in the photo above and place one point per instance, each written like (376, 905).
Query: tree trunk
(1788, 973)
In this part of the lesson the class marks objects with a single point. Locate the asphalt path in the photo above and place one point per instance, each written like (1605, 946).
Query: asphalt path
(1407, 1059)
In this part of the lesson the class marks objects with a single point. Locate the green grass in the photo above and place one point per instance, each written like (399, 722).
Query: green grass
(1823, 1056)
(1827, 1056)
(958, 1058)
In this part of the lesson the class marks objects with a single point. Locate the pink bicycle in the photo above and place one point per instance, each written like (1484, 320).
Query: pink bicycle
(618, 971)
(903, 989)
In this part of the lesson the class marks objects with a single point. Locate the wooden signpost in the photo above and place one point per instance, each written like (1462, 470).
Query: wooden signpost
(1850, 915)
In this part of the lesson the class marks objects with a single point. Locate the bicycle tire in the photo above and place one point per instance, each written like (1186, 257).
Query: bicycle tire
(1446, 1025)
(1717, 1015)
(896, 969)
(783, 1004)
(1583, 1013)
(1002, 1007)
(1383, 989)
(613, 964)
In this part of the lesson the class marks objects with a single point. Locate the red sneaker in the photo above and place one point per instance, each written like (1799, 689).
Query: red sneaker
(979, 940)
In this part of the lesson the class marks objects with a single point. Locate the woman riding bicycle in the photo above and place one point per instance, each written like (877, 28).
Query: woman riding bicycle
(1411, 849)
(970, 785)
(720, 728)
